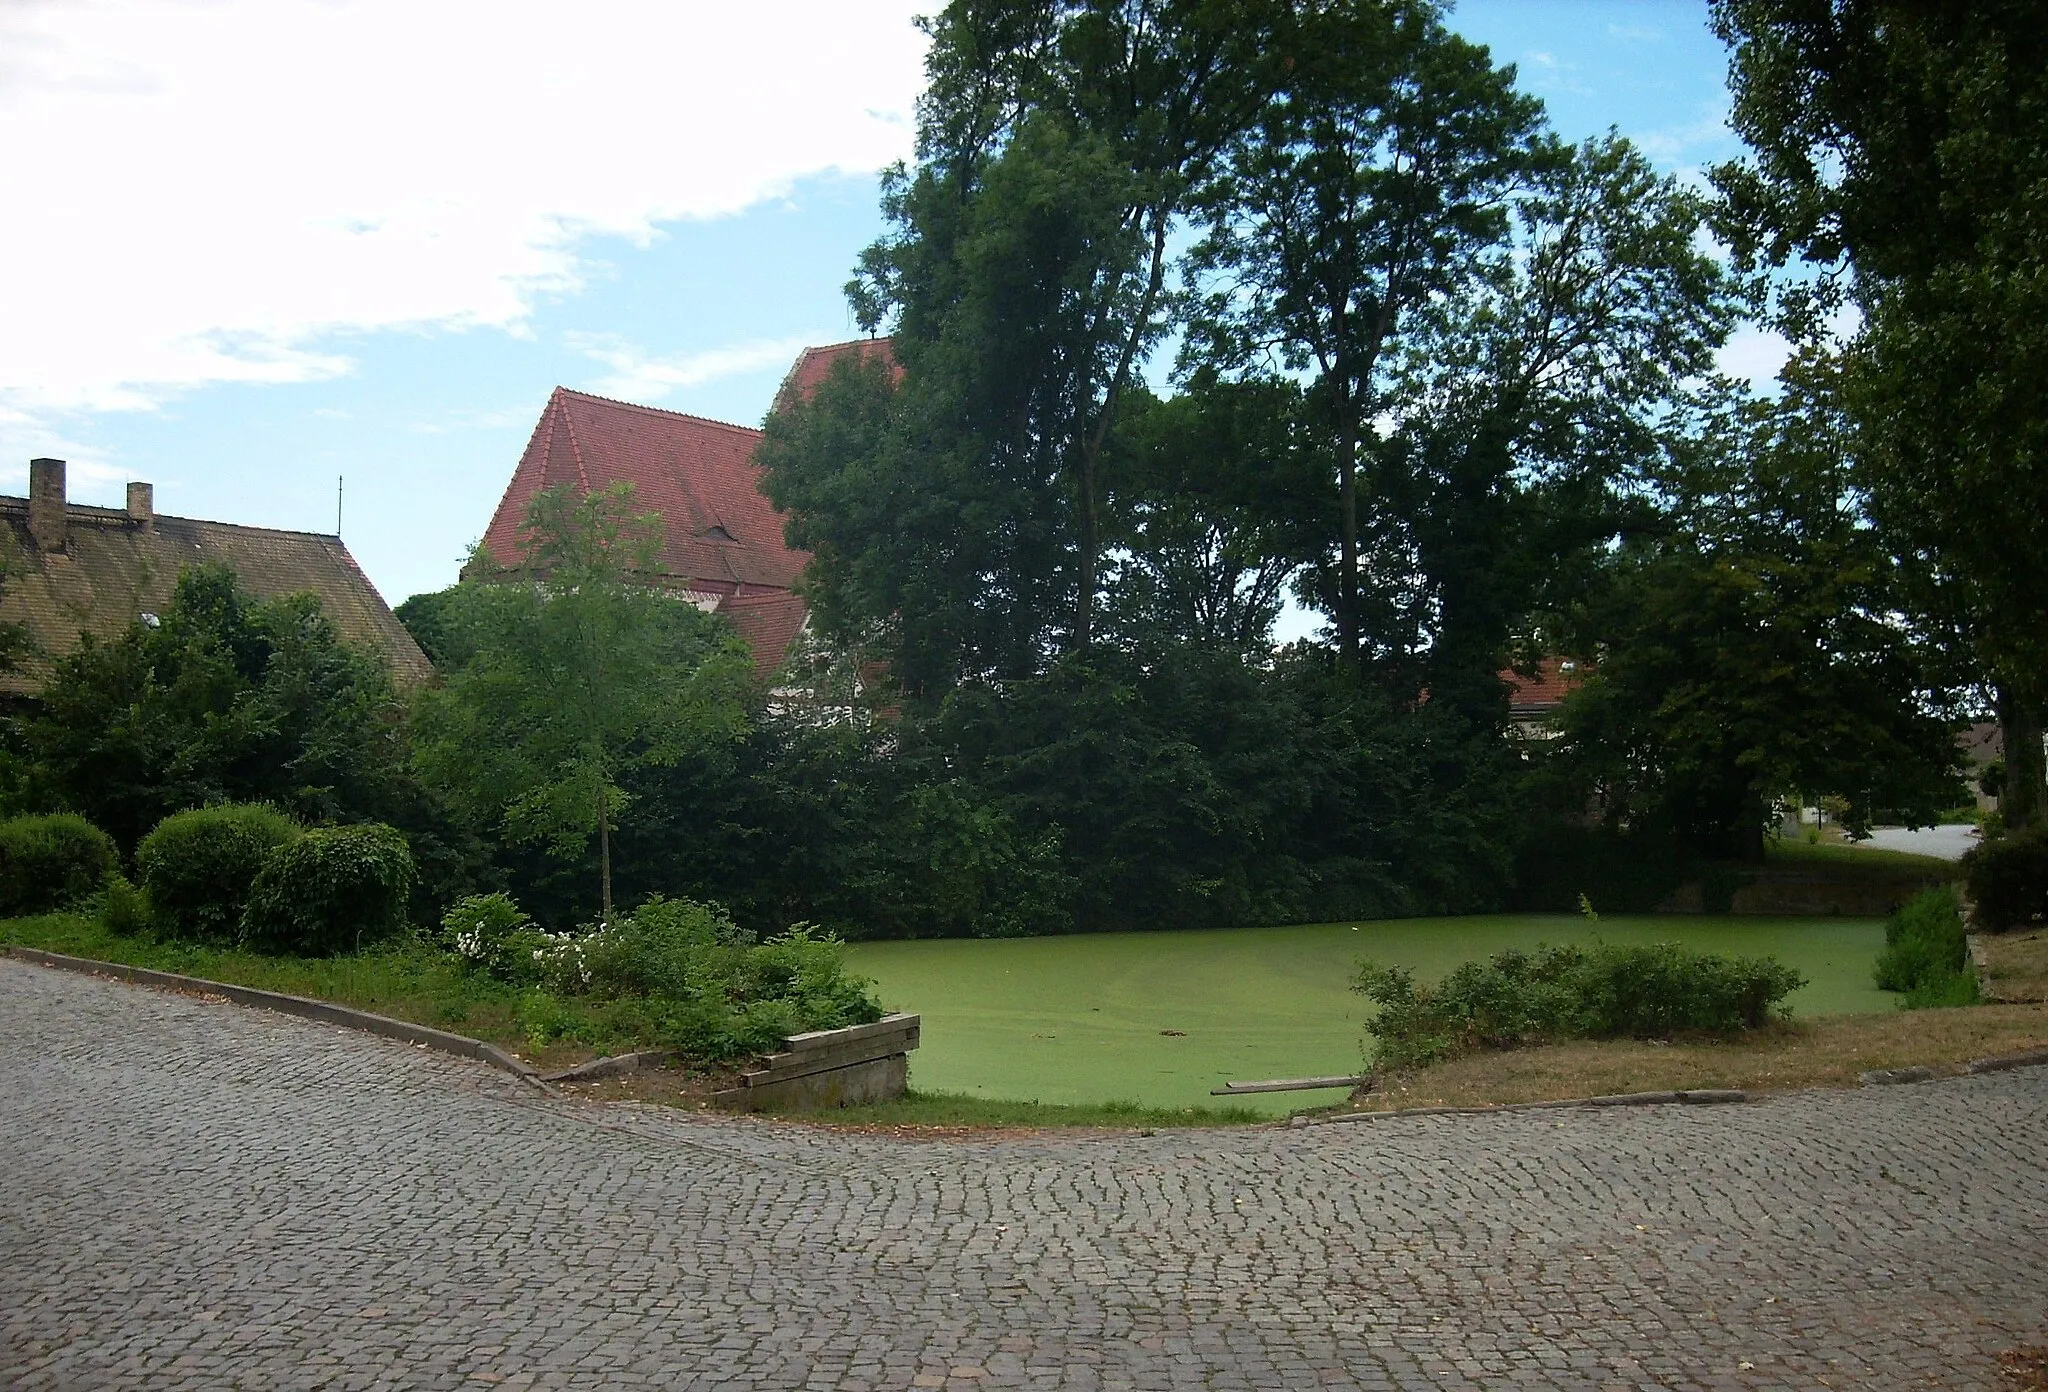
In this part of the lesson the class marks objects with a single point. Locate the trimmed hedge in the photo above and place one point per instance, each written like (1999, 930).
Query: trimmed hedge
(197, 866)
(2008, 879)
(49, 862)
(334, 889)
(1514, 999)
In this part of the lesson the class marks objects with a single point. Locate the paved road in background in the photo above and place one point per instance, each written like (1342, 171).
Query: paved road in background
(1948, 842)
(198, 1195)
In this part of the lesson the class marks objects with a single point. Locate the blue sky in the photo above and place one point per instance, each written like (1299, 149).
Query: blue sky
(352, 264)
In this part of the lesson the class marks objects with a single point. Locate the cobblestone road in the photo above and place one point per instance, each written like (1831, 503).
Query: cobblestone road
(200, 1195)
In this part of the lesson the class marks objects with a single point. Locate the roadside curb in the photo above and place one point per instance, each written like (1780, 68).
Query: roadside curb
(1876, 1077)
(1696, 1097)
(326, 1012)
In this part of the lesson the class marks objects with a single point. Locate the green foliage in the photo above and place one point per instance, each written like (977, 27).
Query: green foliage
(578, 675)
(334, 889)
(1898, 149)
(50, 861)
(197, 867)
(489, 932)
(1925, 954)
(2008, 879)
(1747, 644)
(1515, 999)
(120, 907)
(233, 699)
(703, 986)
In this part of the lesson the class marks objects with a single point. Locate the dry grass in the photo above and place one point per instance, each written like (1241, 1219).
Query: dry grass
(2025, 1369)
(2018, 964)
(1825, 1052)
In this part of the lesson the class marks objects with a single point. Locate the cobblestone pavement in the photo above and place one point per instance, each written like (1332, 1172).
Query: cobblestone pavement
(198, 1195)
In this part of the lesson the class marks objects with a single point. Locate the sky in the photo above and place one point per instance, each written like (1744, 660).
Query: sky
(257, 248)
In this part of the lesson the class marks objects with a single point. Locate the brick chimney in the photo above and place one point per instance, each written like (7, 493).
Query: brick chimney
(142, 504)
(46, 503)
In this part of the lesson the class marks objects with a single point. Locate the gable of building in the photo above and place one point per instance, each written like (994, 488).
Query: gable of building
(723, 544)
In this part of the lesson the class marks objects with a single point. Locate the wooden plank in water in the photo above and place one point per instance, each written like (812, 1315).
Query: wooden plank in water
(1289, 1085)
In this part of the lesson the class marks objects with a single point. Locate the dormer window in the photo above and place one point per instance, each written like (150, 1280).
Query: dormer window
(716, 533)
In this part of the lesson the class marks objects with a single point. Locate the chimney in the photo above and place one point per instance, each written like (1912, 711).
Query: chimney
(46, 503)
(142, 504)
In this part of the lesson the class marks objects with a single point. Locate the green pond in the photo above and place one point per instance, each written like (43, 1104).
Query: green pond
(1161, 1018)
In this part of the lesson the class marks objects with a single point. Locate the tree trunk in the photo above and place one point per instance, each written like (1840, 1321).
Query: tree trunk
(1347, 533)
(604, 851)
(2024, 802)
(1091, 549)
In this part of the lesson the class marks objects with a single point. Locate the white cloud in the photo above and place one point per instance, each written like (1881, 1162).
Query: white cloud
(200, 190)
(1754, 354)
(636, 376)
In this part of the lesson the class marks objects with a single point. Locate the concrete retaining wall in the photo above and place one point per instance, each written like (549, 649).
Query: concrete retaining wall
(830, 1068)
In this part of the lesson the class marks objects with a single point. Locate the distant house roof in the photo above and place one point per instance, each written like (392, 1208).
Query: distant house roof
(723, 541)
(814, 365)
(720, 535)
(114, 566)
(769, 622)
(1544, 693)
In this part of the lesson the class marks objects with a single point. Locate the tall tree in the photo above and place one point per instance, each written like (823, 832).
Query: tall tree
(1900, 162)
(1025, 280)
(1750, 645)
(1535, 400)
(1220, 504)
(577, 672)
(1372, 182)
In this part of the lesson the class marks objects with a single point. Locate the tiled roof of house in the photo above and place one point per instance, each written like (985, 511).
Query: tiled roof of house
(814, 365)
(769, 622)
(114, 568)
(721, 535)
(1556, 678)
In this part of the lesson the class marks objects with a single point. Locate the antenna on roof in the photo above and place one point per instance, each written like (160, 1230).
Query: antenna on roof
(337, 504)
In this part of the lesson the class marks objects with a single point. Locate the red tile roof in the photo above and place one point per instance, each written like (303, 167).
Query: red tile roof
(814, 365)
(721, 536)
(1556, 678)
(769, 622)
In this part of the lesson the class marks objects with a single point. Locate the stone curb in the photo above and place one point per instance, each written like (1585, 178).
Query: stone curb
(327, 1012)
(1997, 1063)
(1876, 1077)
(611, 1066)
(1696, 1097)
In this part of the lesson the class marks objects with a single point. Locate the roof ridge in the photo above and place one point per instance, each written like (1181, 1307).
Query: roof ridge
(658, 411)
(117, 515)
(575, 449)
(847, 343)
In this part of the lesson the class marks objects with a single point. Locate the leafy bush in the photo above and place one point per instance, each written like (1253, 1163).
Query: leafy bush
(334, 889)
(2008, 879)
(1606, 991)
(1925, 954)
(489, 932)
(48, 862)
(707, 988)
(120, 907)
(197, 866)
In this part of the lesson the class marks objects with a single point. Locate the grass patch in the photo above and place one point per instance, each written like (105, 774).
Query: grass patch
(1827, 1052)
(951, 1111)
(404, 981)
(2018, 964)
(1161, 1018)
(1876, 862)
